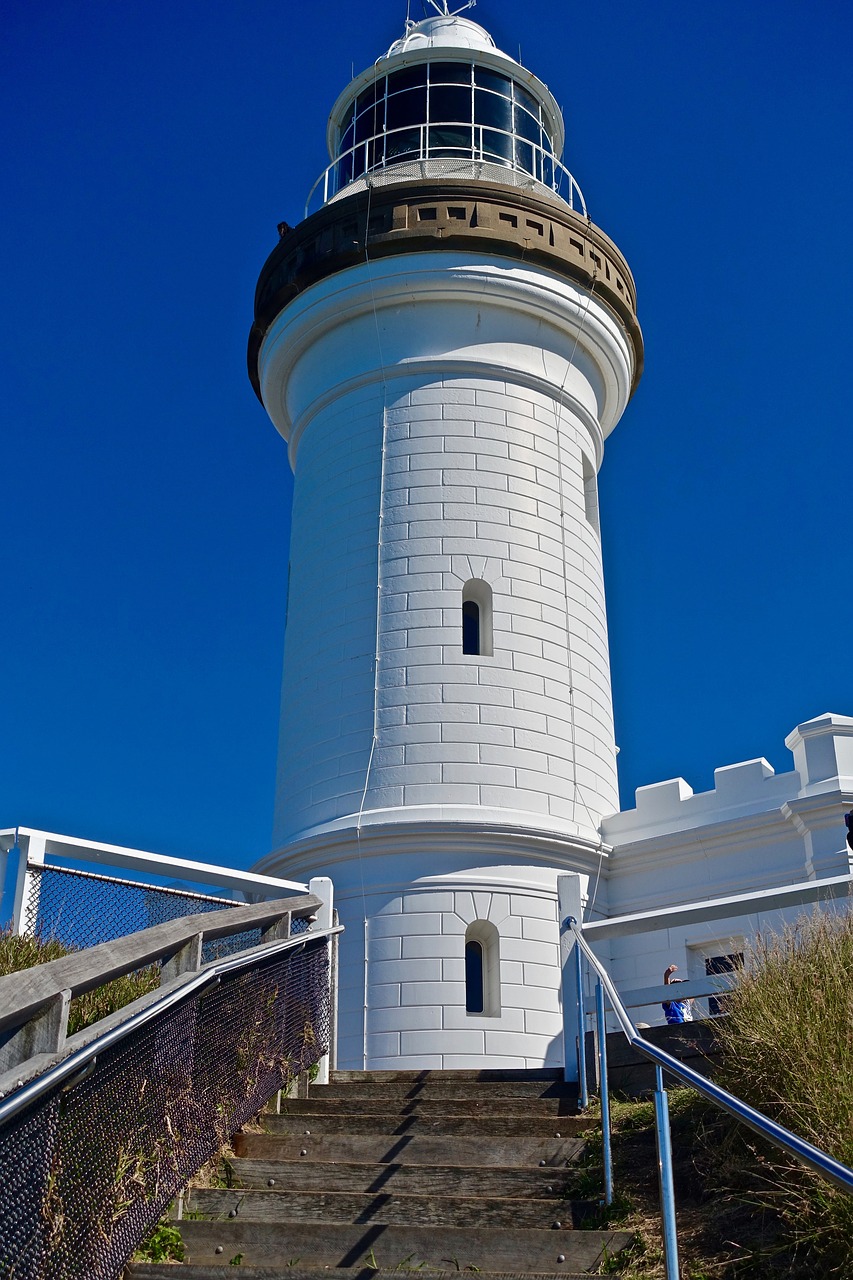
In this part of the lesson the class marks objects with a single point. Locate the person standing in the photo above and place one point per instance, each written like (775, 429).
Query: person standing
(676, 1010)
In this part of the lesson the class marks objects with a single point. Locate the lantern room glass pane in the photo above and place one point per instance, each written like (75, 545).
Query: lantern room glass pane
(445, 140)
(406, 109)
(526, 126)
(525, 99)
(451, 103)
(488, 79)
(408, 78)
(450, 73)
(497, 146)
(368, 97)
(405, 145)
(370, 122)
(492, 110)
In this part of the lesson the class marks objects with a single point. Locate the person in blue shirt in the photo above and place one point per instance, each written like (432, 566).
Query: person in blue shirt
(676, 1010)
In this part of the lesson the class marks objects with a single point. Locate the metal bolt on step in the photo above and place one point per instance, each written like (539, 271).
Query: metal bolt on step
(549, 1190)
(232, 1213)
(307, 1133)
(558, 1135)
(541, 1164)
(561, 1257)
(270, 1182)
(219, 1249)
(558, 1226)
(303, 1152)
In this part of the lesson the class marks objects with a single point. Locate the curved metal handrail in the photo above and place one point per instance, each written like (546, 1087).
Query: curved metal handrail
(803, 1151)
(474, 154)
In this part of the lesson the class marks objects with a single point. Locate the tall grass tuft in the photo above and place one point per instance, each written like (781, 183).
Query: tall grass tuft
(788, 1049)
(17, 953)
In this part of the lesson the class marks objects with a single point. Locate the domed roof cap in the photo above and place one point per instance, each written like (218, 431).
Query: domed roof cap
(445, 31)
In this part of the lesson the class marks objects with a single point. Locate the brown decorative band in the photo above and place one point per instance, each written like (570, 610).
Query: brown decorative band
(414, 217)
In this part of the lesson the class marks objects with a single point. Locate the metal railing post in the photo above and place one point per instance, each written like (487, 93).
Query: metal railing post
(667, 1189)
(605, 1093)
(28, 885)
(583, 1085)
(569, 908)
(321, 887)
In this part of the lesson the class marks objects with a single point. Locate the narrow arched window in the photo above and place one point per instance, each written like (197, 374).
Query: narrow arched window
(470, 626)
(477, 618)
(482, 970)
(474, 977)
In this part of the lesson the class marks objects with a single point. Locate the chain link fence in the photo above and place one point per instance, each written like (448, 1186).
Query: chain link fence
(89, 1168)
(82, 908)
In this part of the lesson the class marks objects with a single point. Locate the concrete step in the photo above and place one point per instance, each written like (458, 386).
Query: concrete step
(384, 1207)
(354, 1149)
(476, 1106)
(321, 1245)
(162, 1271)
(409, 1179)
(431, 1125)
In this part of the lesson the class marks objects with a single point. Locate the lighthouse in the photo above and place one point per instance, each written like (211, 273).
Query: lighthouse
(444, 343)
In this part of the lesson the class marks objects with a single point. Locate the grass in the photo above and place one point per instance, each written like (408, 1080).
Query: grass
(17, 953)
(746, 1211)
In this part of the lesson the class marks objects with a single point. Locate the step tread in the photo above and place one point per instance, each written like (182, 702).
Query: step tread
(346, 1104)
(192, 1271)
(485, 1126)
(264, 1205)
(336, 1245)
(447, 1087)
(483, 1075)
(420, 1179)
(511, 1152)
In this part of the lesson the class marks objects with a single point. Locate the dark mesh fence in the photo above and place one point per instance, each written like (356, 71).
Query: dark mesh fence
(87, 1171)
(81, 909)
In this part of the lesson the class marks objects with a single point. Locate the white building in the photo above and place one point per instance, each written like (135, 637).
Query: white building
(445, 345)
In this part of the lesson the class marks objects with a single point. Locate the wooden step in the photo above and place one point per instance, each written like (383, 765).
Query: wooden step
(409, 1179)
(384, 1207)
(321, 1245)
(430, 1125)
(445, 1085)
(481, 1075)
(166, 1271)
(367, 1105)
(355, 1149)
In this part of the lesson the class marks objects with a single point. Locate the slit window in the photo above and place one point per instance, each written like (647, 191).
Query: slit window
(470, 627)
(590, 493)
(477, 618)
(482, 970)
(474, 989)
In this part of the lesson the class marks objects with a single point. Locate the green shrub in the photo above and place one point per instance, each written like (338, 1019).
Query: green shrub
(788, 1050)
(17, 953)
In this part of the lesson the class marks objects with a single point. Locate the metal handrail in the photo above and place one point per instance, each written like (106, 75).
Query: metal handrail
(477, 155)
(80, 1059)
(808, 1154)
(804, 1151)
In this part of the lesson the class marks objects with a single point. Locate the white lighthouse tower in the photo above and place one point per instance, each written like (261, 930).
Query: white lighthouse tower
(445, 345)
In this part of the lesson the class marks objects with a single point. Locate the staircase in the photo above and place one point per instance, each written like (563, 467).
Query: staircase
(378, 1171)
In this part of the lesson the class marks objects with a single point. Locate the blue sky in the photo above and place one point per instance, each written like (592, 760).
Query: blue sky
(152, 149)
